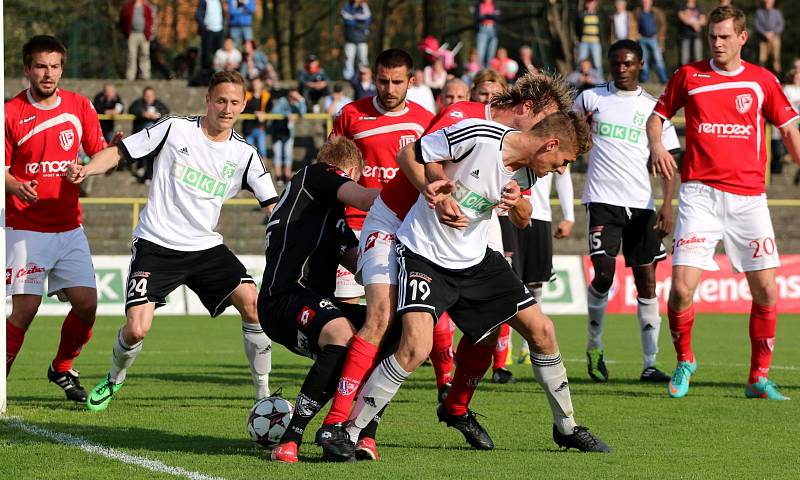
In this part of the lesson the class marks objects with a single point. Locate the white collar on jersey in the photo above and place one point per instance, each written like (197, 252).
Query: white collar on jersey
(383, 111)
(624, 93)
(39, 105)
(489, 111)
(725, 72)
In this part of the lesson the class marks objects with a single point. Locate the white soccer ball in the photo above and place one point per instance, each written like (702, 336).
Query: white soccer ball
(268, 419)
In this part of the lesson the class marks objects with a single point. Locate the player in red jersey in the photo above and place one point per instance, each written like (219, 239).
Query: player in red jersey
(722, 193)
(45, 128)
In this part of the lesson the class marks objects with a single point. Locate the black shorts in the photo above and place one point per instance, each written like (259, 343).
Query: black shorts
(294, 318)
(479, 298)
(610, 224)
(529, 249)
(156, 271)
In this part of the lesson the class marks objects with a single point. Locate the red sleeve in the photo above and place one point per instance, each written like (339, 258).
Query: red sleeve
(9, 140)
(674, 96)
(93, 140)
(777, 108)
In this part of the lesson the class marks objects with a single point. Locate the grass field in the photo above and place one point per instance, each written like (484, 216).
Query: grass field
(186, 399)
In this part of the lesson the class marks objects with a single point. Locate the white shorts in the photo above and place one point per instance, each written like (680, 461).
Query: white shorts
(707, 215)
(377, 259)
(62, 258)
(346, 284)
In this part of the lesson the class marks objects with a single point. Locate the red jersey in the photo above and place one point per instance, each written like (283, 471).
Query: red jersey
(41, 142)
(400, 194)
(725, 114)
(379, 135)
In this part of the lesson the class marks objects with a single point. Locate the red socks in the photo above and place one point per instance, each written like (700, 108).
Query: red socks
(360, 361)
(472, 362)
(680, 325)
(442, 351)
(14, 338)
(501, 349)
(74, 335)
(763, 322)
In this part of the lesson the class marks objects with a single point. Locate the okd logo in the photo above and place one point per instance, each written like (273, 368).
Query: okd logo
(472, 200)
(619, 132)
(200, 181)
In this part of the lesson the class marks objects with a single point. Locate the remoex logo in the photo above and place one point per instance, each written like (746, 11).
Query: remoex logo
(55, 167)
(382, 173)
(725, 129)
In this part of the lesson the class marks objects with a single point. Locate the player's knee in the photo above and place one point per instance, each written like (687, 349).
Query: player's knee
(764, 294)
(680, 293)
(135, 331)
(338, 331)
(85, 311)
(603, 279)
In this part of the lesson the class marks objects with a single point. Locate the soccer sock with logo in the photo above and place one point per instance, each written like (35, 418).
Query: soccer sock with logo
(14, 338)
(650, 324)
(763, 323)
(472, 362)
(258, 348)
(75, 333)
(377, 392)
(501, 348)
(552, 376)
(371, 430)
(680, 326)
(122, 357)
(442, 351)
(360, 360)
(597, 314)
(317, 389)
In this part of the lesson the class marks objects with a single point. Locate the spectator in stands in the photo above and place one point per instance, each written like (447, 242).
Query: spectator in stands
(472, 67)
(505, 65)
(454, 91)
(652, 35)
(584, 76)
(486, 15)
(622, 23)
(240, 20)
(486, 84)
(108, 102)
(435, 77)
(420, 93)
(313, 83)
(525, 62)
(588, 30)
(228, 58)
(690, 27)
(257, 100)
(255, 63)
(210, 18)
(147, 109)
(769, 24)
(136, 21)
(292, 106)
(336, 100)
(363, 86)
(357, 19)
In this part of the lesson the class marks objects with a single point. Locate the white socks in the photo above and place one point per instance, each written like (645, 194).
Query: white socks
(597, 314)
(552, 376)
(650, 324)
(122, 357)
(258, 348)
(378, 391)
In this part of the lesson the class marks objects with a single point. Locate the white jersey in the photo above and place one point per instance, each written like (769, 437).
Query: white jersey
(618, 161)
(474, 150)
(192, 177)
(540, 197)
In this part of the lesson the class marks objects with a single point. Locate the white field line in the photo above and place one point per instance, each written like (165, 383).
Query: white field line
(143, 462)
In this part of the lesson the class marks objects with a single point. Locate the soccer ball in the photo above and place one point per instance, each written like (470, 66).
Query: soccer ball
(268, 419)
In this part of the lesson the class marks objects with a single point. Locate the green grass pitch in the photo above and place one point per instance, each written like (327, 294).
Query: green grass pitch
(186, 398)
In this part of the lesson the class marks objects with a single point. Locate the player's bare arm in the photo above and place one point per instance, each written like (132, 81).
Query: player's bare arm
(664, 222)
(23, 190)
(791, 138)
(663, 163)
(357, 196)
(413, 170)
(518, 207)
(103, 161)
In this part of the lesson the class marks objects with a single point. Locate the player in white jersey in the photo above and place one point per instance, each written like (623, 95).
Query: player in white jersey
(199, 163)
(619, 203)
(452, 269)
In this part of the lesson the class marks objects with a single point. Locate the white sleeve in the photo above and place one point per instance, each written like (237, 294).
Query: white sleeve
(258, 180)
(434, 147)
(148, 142)
(565, 195)
(669, 137)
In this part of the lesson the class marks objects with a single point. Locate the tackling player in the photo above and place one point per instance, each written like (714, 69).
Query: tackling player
(199, 163)
(619, 203)
(722, 196)
(45, 128)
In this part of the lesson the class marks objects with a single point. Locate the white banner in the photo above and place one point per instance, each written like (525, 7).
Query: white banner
(566, 295)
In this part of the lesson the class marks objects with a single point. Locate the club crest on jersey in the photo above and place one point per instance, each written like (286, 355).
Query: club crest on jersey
(638, 119)
(407, 140)
(66, 139)
(743, 102)
(229, 169)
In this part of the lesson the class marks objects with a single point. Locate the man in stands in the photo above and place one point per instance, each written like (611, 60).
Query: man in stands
(45, 128)
(721, 196)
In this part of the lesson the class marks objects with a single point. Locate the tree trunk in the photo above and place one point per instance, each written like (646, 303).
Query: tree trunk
(561, 47)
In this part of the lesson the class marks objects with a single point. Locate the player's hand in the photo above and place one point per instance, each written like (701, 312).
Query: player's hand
(663, 162)
(27, 191)
(664, 223)
(564, 229)
(437, 191)
(450, 214)
(76, 173)
(511, 196)
(116, 138)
